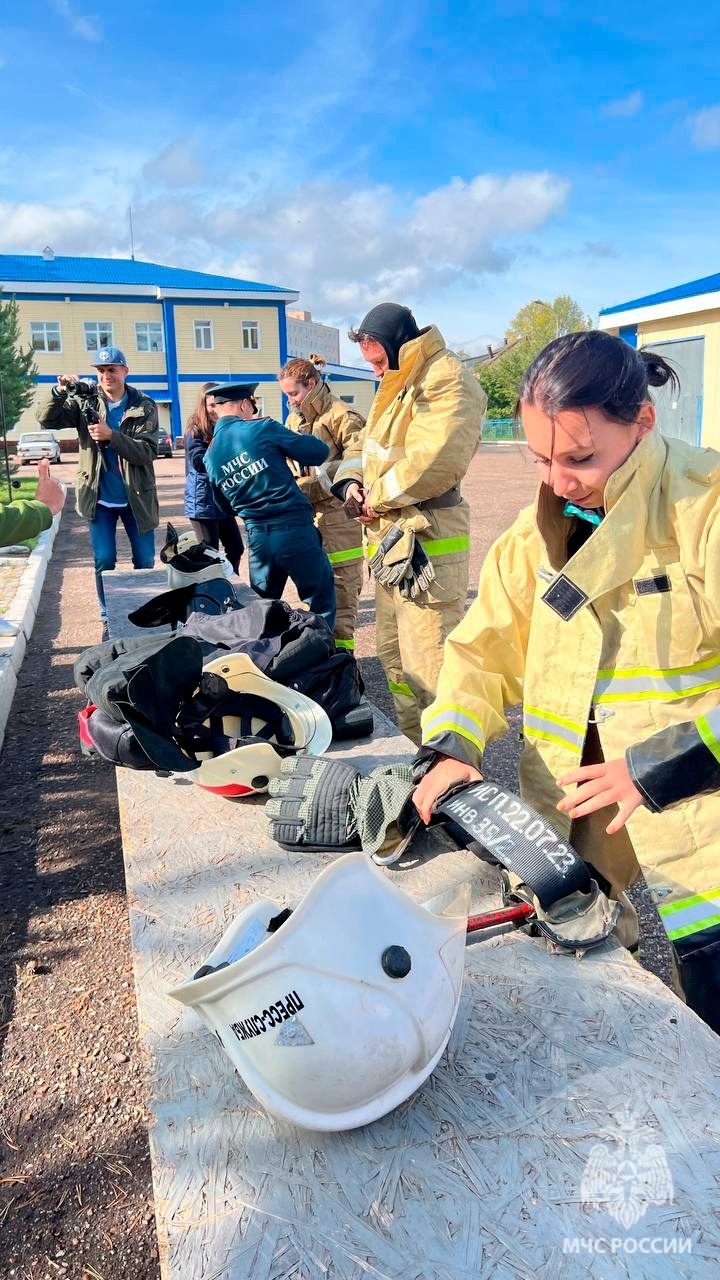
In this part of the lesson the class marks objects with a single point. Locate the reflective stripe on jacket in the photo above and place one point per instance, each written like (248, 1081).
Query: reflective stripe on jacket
(626, 635)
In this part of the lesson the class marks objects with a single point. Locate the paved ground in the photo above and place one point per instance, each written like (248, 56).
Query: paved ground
(75, 1190)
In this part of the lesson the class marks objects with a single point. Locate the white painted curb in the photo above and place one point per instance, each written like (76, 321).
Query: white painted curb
(22, 612)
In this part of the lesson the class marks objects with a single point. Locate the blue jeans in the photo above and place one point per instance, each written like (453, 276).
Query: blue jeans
(103, 531)
(291, 548)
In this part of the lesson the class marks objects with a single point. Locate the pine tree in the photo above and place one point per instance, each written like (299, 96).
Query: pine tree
(18, 370)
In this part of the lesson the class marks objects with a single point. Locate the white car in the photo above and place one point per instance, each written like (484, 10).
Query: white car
(34, 445)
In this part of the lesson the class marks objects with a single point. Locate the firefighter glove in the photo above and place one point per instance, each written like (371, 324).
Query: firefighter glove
(420, 574)
(390, 562)
(328, 804)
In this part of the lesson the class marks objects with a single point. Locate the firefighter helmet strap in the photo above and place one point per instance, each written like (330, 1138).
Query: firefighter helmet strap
(517, 837)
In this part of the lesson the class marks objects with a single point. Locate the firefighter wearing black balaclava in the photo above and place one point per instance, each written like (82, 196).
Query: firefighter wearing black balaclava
(422, 431)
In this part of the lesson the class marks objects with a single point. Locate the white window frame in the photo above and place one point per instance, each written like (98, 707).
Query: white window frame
(351, 400)
(247, 329)
(200, 326)
(97, 325)
(46, 350)
(145, 324)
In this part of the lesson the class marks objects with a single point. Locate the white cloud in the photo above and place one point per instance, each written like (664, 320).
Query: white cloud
(344, 247)
(177, 165)
(83, 27)
(623, 108)
(705, 128)
(25, 228)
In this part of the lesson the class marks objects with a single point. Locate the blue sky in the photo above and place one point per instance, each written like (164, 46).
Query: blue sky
(463, 158)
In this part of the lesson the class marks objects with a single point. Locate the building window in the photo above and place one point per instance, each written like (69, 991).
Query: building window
(250, 335)
(347, 399)
(203, 335)
(98, 334)
(148, 335)
(45, 335)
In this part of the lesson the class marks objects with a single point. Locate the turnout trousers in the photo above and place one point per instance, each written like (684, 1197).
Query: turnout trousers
(342, 539)
(411, 635)
(292, 548)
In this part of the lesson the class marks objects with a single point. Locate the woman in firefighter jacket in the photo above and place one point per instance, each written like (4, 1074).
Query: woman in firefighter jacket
(316, 411)
(599, 612)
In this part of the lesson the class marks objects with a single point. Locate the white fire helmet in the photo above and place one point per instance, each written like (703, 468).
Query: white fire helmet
(335, 1013)
(248, 768)
(193, 565)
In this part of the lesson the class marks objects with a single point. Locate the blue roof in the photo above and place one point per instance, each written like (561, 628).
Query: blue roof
(708, 284)
(120, 271)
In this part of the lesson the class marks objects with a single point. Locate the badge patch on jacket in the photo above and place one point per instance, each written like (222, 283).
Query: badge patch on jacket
(565, 598)
(652, 586)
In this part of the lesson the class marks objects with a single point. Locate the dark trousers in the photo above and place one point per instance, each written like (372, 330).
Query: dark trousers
(291, 548)
(225, 530)
(103, 536)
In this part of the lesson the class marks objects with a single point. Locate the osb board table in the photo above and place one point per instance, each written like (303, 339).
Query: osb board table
(125, 591)
(564, 1082)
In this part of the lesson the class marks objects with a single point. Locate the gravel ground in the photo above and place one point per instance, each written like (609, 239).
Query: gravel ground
(75, 1185)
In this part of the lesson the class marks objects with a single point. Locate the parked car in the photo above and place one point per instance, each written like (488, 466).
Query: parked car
(165, 449)
(34, 445)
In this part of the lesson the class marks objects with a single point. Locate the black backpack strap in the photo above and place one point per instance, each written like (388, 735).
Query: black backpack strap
(518, 837)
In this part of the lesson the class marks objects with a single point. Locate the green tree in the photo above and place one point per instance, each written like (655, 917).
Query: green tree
(535, 324)
(18, 370)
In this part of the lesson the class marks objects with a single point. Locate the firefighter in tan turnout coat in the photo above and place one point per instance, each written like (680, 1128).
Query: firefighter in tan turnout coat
(315, 410)
(599, 612)
(422, 432)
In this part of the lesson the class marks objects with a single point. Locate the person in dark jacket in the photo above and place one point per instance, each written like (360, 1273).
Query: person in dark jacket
(209, 513)
(118, 444)
(247, 461)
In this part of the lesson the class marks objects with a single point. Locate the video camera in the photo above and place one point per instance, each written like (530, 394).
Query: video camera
(82, 388)
(88, 396)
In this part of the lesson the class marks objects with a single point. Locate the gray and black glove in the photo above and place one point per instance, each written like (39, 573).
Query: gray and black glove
(327, 804)
(390, 562)
(420, 574)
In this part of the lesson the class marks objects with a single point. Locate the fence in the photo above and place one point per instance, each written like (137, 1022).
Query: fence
(499, 429)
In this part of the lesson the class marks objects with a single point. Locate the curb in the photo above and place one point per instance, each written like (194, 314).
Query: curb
(23, 611)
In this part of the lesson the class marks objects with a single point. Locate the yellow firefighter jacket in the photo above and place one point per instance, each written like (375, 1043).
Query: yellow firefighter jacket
(421, 434)
(340, 426)
(626, 635)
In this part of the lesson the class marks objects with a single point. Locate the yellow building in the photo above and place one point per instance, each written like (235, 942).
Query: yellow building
(683, 325)
(177, 329)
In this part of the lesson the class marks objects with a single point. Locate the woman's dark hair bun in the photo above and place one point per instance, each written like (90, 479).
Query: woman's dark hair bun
(659, 371)
(595, 369)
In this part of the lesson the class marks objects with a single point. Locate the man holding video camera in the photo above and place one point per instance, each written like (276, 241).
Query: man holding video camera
(117, 429)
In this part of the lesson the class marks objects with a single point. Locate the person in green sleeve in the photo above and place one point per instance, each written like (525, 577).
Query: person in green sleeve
(26, 518)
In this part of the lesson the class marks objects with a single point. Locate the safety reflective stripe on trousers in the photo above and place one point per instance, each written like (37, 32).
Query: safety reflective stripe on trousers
(399, 686)
(552, 728)
(344, 644)
(664, 683)
(708, 727)
(453, 719)
(436, 546)
(340, 557)
(691, 915)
